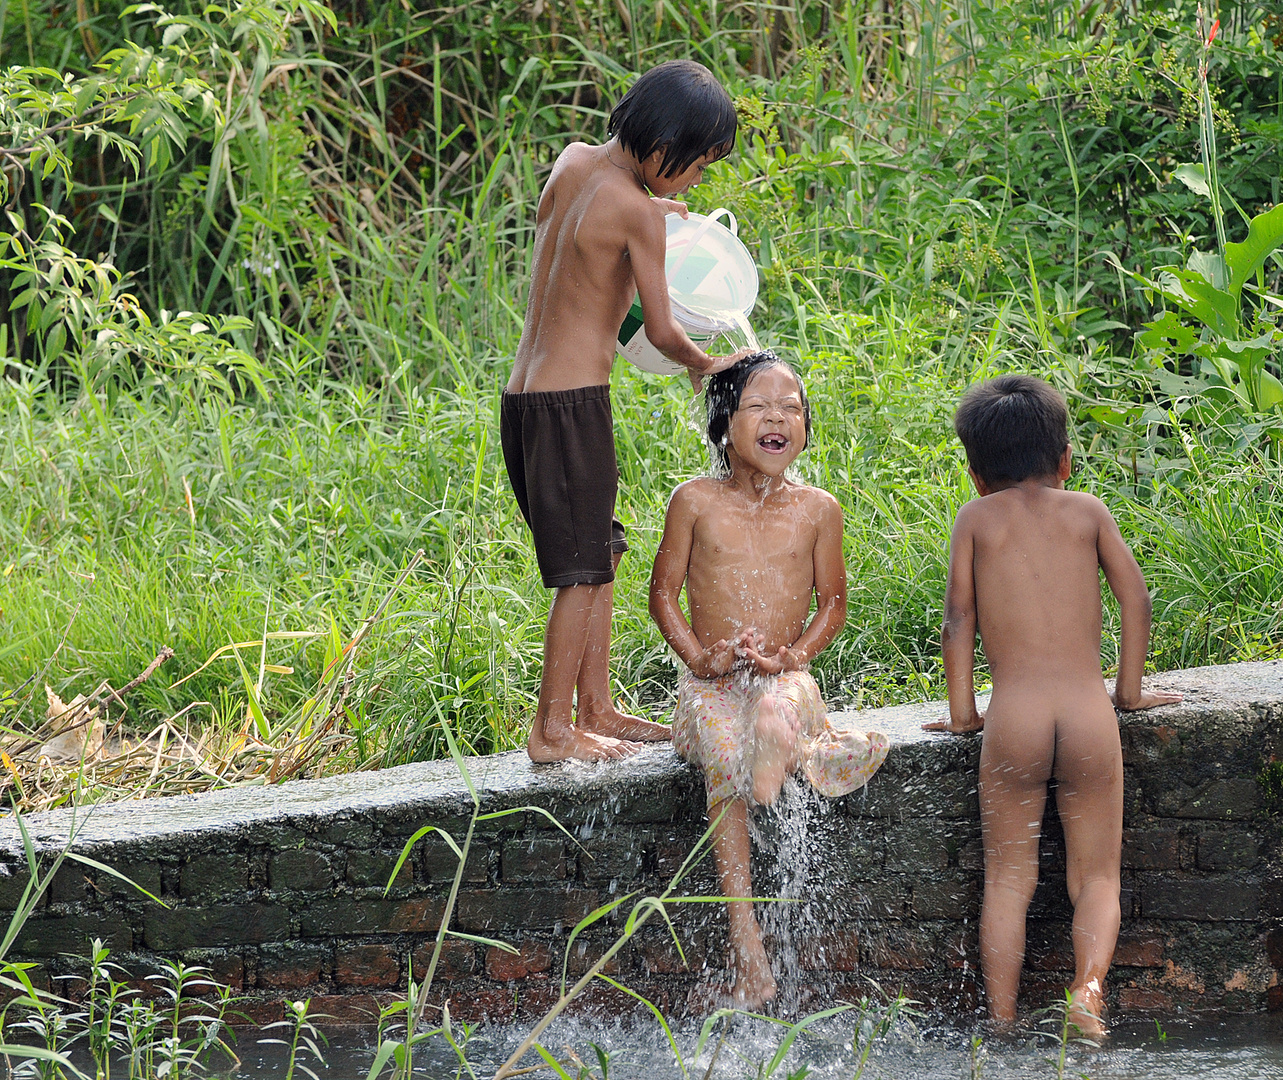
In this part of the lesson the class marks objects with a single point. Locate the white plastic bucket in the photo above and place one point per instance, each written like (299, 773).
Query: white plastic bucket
(712, 282)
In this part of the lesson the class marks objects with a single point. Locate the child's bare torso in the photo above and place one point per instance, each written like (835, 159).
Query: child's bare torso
(1037, 586)
(752, 562)
(581, 278)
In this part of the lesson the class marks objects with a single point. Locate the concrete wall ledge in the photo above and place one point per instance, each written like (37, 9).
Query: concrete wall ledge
(280, 890)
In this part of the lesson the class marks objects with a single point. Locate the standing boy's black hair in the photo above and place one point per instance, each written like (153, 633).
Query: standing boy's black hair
(723, 399)
(1012, 427)
(680, 108)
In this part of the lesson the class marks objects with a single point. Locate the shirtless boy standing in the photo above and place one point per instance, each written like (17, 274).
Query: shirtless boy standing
(752, 548)
(599, 240)
(1024, 564)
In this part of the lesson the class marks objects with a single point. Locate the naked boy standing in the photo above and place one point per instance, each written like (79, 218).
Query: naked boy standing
(599, 240)
(1024, 567)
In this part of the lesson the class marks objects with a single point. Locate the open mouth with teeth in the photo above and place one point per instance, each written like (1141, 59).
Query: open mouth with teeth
(773, 443)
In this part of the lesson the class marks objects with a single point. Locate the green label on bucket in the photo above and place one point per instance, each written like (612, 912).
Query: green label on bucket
(633, 322)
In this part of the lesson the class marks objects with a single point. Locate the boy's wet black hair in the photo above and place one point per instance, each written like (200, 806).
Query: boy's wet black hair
(727, 387)
(1012, 427)
(680, 108)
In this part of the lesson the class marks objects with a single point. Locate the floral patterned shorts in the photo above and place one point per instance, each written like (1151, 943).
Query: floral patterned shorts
(714, 722)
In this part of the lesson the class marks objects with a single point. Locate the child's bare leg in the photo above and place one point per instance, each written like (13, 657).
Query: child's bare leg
(1089, 768)
(754, 982)
(1015, 764)
(596, 710)
(775, 753)
(552, 735)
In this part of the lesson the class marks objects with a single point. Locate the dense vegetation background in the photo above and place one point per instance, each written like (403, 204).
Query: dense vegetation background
(262, 267)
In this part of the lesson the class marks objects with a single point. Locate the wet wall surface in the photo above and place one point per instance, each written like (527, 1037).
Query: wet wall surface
(280, 891)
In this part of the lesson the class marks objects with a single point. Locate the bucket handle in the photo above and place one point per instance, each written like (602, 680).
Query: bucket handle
(721, 211)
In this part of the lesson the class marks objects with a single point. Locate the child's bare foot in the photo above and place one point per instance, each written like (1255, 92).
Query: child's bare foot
(1087, 1009)
(567, 741)
(776, 747)
(754, 981)
(614, 724)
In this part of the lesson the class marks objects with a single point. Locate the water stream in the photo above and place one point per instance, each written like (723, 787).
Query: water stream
(1238, 1048)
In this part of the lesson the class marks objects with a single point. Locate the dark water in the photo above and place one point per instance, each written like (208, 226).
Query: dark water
(1239, 1048)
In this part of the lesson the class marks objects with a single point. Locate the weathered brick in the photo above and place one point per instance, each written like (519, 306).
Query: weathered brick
(373, 869)
(834, 950)
(1144, 999)
(1139, 951)
(72, 884)
(620, 860)
(1234, 799)
(887, 897)
(339, 916)
(1201, 899)
(900, 948)
(540, 858)
(530, 957)
(206, 927)
(583, 954)
(12, 886)
(367, 965)
(50, 935)
(223, 967)
(292, 965)
(946, 898)
(1048, 946)
(913, 849)
(962, 950)
(1274, 948)
(1151, 849)
(524, 909)
(141, 875)
(659, 955)
(458, 959)
(299, 870)
(439, 863)
(1227, 851)
(214, 875)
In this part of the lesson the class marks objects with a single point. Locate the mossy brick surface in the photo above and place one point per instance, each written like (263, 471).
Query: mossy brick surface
(537, 858)
(180, 928)
(300, 870)
(51, 935)
(214, 874)
(287, 880)
(343, 916)
(293, 965)
(490, 911)
(373, 870)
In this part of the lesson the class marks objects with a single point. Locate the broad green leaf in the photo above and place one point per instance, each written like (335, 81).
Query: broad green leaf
(1194, 178)
(1211, 306)
(1264, 235)
(1210, 265)
(1167, 332)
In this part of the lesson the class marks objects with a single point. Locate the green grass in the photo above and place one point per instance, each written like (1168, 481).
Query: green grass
(917, 225)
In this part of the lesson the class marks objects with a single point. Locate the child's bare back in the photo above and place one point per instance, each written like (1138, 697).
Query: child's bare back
(591, 213)
(1024, 569)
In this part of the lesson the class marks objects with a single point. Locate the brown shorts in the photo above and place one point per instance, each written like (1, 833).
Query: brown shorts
(559, 447)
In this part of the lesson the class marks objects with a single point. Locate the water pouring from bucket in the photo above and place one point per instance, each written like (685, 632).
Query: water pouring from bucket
(712, 285)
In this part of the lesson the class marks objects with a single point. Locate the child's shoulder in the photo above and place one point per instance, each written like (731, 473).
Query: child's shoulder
(816, 499)
(697, 491)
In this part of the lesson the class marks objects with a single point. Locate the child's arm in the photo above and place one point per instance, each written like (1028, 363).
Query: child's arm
(666, 579)
(1127, 583)
(958, 633)
(829, 569)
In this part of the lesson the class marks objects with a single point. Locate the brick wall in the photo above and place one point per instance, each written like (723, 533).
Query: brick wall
(280, 891)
